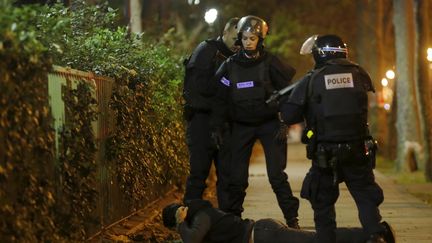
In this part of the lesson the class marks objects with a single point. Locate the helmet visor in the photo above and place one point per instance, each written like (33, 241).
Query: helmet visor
(308, 45)
(334, 49)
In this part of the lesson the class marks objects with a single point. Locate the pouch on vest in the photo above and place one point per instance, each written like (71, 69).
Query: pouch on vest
(343, 114)
(250, 87)
(249, 98)
(310, 186)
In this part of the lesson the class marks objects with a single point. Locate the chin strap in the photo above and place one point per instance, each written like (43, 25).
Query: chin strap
(251, 53)
(255, 53)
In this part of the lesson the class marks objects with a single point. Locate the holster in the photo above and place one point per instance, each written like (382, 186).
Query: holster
(311, 144)
(321, 157)
(371, 146)
(328, 157)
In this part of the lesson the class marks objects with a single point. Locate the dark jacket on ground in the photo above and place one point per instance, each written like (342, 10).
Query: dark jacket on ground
(207, 224)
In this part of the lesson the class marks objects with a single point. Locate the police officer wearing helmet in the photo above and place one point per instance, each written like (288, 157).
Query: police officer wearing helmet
(332, 99)
(244, 82)
(198, 94)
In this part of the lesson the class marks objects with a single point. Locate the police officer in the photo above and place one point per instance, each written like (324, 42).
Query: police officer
(333, 100)
(244, 82)
(198, 93)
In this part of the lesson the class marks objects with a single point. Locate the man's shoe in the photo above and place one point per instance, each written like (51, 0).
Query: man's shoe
(293, 223)
(389, 235)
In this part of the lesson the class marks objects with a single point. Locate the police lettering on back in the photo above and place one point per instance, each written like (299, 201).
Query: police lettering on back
(338, 81)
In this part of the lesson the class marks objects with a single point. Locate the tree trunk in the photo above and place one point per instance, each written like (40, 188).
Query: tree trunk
(135, 9)
(423, 84)
(389, 56)
(366, 57)
(407, 124)
(376, 55)
(381, 114)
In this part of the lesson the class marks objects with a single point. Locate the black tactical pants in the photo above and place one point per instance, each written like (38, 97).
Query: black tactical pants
(202, 151)
(319, 189)
(270, 230)
(243, 138)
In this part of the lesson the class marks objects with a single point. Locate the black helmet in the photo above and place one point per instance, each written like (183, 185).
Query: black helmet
(325, 47)
(251, 24)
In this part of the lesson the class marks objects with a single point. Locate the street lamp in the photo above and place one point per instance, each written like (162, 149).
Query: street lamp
(429, 54)
(193, 2)
(390, 74)
(387, 107)
(210, 16)
(386, 94)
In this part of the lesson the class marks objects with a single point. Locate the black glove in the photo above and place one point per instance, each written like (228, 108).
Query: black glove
(217, 137)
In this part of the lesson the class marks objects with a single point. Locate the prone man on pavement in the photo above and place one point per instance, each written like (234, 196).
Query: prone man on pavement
(198, 94)
(244, 82)
(333, 101)
(198, 221)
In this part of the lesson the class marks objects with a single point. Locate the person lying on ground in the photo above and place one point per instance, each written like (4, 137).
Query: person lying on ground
(198, 221)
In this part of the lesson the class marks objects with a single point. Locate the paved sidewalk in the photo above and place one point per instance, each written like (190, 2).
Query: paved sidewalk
(409, 216)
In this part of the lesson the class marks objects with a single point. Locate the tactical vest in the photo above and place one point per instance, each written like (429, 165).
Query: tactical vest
(338, 103)
(249, 89)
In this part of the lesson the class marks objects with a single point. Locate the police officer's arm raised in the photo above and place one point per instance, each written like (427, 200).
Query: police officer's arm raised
(291, 110)
(281, 76)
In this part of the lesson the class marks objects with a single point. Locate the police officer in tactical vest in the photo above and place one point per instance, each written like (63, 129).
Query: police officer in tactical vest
(198, 93)
(332, 98)
(244, 82)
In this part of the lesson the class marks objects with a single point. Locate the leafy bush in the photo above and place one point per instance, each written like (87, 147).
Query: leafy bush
(26, 137)
(146, 147)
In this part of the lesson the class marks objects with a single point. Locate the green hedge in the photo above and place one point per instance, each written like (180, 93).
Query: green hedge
(27, 203)
(43, 202)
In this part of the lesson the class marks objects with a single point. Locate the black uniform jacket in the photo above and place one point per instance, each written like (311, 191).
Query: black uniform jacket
(199, 71)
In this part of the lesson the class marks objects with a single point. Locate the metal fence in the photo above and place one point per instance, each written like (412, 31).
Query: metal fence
(111, 206)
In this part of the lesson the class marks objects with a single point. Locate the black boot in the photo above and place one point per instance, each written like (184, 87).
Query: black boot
(293, 223)
(389, 235)
(383, 237)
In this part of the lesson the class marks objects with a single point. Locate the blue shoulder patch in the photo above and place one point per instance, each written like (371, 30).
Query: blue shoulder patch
(225, 81)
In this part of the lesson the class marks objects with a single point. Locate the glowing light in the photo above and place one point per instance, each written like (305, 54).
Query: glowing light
(390, 74)
(387, 107)
(194, 2)
(429, 54)
(210, 16)
(384, 82)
